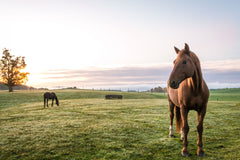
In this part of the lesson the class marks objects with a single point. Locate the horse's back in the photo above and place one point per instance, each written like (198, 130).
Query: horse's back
(49, 95)
(53, 94)
(46, 94)
(205, 91)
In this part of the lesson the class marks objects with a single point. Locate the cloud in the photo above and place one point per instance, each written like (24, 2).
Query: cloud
(222, 65)
(124, 77)
(217, 74)
(222, 74)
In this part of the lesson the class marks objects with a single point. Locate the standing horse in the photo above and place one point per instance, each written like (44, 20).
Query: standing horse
(52, 96)
(187, 91)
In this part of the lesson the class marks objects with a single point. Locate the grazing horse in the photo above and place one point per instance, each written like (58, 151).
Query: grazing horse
(187, 91)
(52, 96)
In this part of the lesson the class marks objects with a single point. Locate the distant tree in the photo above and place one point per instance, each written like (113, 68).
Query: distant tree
(158, 89)
(11, 67)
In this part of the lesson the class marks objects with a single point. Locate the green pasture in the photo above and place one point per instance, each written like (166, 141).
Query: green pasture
(86, 126)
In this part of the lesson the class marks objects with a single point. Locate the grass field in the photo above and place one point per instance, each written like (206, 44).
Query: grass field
(86, 126)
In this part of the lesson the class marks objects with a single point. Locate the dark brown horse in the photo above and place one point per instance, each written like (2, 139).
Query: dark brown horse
(187, 91)
(51, 96)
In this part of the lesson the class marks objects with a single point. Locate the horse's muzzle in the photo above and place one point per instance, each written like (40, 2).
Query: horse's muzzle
(174, 84)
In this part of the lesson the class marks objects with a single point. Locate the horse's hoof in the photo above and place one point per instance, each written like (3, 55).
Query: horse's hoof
(185, 153)
(201, 154)
(171, 136)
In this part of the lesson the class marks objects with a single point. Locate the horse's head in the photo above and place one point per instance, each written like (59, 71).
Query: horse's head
(183, 67)
(57, 102)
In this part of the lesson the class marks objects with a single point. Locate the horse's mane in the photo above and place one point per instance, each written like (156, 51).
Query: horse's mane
(196, 80)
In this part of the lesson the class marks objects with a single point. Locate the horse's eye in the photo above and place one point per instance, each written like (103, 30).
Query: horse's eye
(174, 61)
(184, 62)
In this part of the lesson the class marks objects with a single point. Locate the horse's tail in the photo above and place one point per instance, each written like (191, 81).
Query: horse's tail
(57, 102)
(178, 119)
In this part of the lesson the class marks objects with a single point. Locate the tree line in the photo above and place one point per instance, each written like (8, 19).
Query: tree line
(20, 87)
(158, 89)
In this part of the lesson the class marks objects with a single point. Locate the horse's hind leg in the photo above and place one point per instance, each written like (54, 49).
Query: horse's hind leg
(171, 109)
(200, 117)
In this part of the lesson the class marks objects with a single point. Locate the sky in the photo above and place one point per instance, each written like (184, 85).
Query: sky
(121, 44)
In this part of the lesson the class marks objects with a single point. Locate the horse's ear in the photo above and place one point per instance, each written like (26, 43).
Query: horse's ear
(176, 49)
(187, 47)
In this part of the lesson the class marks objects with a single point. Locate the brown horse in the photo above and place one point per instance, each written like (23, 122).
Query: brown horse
(187, 91)
(51, 96)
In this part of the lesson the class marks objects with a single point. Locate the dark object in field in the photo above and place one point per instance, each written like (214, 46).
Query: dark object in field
(51, 96)
(187, 91)
(113, 96)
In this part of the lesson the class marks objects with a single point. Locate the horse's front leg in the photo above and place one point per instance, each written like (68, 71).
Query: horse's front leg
(185, 129)
(171, 109)
(44, 102)
(52, 101)
(200, 117)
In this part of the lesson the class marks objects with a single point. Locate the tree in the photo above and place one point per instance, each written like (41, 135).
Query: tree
(158, 89)
(11, 67)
